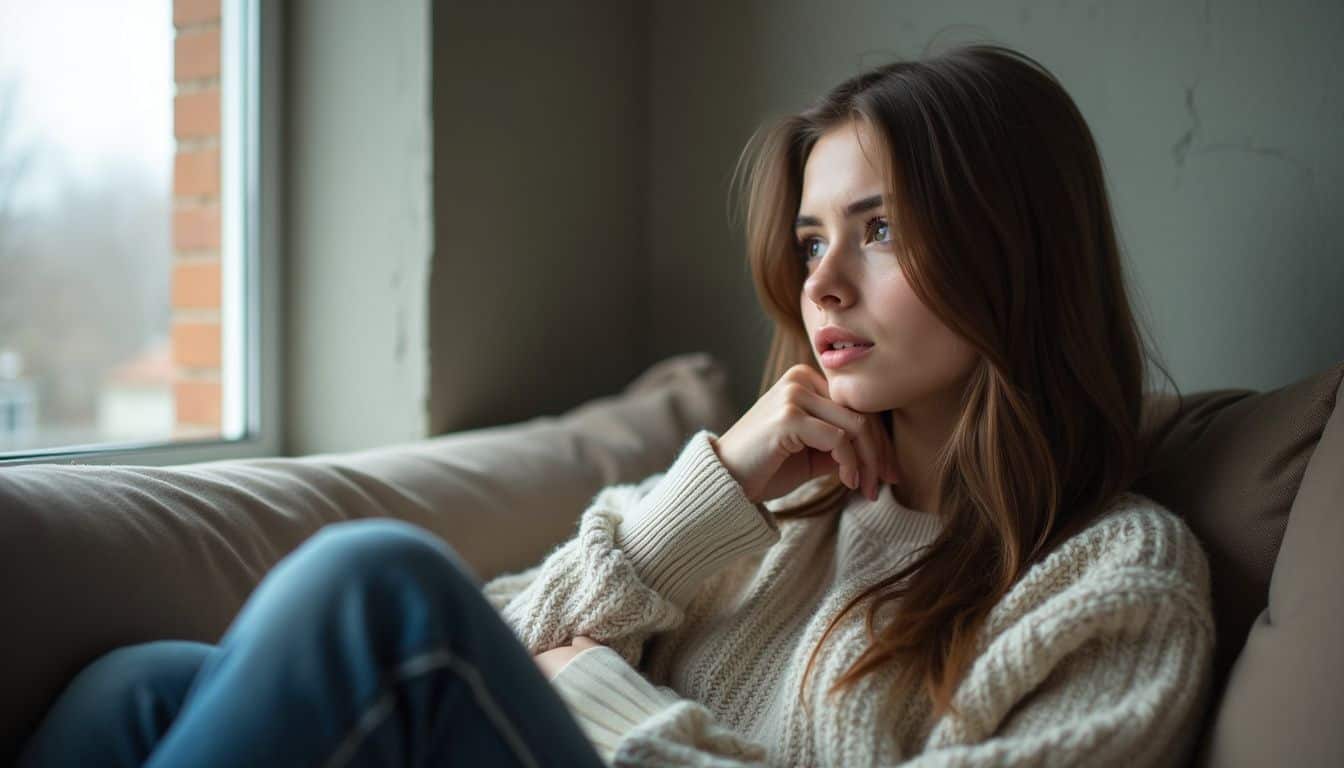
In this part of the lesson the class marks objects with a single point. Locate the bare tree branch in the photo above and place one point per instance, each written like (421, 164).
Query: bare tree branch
(15, 161)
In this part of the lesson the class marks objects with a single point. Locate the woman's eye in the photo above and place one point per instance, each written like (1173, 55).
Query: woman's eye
(809, 248)
(880, 225)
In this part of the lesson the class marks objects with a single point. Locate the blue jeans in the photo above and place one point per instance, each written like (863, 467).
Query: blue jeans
(370, 644)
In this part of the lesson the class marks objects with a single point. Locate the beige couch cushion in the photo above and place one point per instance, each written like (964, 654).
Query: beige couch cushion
(1231, 464)
(96, 557)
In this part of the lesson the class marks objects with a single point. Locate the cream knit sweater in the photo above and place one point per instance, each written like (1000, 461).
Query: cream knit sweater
(708, 608)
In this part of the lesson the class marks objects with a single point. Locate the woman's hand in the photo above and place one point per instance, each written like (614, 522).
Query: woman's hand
(551, 661)
(795, 432)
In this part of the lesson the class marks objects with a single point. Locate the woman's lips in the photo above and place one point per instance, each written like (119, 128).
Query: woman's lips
(834, 358)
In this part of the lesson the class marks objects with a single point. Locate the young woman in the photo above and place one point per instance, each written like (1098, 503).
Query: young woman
(950, 568)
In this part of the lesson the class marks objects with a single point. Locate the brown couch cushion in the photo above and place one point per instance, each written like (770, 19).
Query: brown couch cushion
(1284, 702)
(97, 557)
(1231, 464)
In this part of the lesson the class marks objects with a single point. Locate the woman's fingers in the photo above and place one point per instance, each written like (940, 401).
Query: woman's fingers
(871, 454)
(848, 459)
(865, 457)
(887, 458)
(820, 436)
(553, 660)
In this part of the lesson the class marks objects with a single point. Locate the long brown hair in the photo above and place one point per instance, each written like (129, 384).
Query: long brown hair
(1005, 232)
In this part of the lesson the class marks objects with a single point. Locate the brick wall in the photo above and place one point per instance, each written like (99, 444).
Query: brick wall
(196, 287)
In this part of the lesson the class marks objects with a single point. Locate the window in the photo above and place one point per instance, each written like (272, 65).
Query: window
(135, 240)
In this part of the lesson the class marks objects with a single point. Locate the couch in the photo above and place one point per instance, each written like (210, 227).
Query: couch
(95, 557)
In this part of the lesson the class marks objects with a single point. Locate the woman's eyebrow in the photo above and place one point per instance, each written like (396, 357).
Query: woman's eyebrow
(857, 207)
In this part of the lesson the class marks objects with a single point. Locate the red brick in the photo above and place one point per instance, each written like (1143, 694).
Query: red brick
(196, 173)
(196, 344)
(196, 284)
(196, 55)
(196, 228)
(194, 11)
(196, 115)
(197, 401)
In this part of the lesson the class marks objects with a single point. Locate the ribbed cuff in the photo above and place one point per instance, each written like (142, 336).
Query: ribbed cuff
(693, 522)
(607, 697)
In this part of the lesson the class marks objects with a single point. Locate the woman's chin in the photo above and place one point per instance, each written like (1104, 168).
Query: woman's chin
(855, 401)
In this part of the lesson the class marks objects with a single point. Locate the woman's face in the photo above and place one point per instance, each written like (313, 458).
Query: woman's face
(854, 281)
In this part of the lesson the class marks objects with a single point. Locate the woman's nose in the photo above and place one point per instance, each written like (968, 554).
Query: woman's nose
(828, 284)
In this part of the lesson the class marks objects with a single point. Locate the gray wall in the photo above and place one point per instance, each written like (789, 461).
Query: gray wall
(569, 227)
(359, 223)
(538, 282)
(1218, 125)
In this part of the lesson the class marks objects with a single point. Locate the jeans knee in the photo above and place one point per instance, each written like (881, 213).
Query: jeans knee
(111, 702)
(372, 547)
(161, 667)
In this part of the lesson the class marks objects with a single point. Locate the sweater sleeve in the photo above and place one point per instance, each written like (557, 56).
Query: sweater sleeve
(1124, 682)
(639, 556)
(632, 722)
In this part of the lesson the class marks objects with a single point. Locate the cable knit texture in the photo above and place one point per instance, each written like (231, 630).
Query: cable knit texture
(707, 608)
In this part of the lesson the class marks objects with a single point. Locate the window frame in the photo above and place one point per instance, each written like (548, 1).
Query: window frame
(251, 112)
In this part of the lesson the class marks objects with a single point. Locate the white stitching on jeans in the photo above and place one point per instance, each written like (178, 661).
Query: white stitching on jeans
(419, 665)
